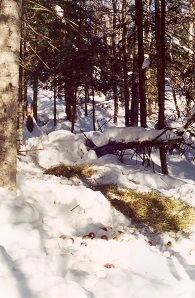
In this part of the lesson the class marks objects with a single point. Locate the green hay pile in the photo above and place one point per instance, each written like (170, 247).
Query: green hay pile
(71, 171)
(163, 214)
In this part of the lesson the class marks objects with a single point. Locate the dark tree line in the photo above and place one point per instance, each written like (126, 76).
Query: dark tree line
(94, 46)
(104, 46)
(101, 46)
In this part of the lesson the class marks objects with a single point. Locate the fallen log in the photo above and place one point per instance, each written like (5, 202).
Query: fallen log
(113, 146)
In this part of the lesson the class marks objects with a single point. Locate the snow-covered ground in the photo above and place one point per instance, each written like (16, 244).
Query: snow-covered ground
(44, 250)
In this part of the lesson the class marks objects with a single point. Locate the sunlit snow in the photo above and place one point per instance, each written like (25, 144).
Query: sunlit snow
(44, 251)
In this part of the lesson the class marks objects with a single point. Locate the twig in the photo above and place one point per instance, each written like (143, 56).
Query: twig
(30, 150)
(74, 207)
(85, 135)
(88, 138)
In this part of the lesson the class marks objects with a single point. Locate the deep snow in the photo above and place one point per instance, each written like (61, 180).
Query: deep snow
(45, 251)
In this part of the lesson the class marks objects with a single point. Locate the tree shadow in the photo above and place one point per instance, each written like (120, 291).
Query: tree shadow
(18, 275)
(188, 269)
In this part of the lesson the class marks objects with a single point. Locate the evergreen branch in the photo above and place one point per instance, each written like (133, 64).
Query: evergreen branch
(39, 6)
(71, 23)
(39, 57)
(43, 36)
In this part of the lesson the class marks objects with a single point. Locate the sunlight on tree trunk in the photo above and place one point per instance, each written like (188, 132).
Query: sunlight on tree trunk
(10, 25)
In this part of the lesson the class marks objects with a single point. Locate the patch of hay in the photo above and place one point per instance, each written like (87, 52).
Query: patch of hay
(162, 214)
(71, 171)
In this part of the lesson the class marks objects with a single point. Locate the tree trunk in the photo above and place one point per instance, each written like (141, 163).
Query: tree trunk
(163, 159)
(176, 103)
(10, 24)
(35, 96)
(135, 84)
(125, 64)
(115, 95)
(114, 87)
(160, 59)
(148, 41)
(69, 99)
(74, 110)
(20, 138)
(142, 92)
(135, 91)
(86, 99)
(93, 100)
(54, 100)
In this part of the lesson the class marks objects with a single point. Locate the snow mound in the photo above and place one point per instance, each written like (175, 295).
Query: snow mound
(130, 134)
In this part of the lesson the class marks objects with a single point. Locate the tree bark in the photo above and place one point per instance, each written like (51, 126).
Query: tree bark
(125, 64)
(10, 25)
(114, 87)
(135, 90)
(163, 160)
(20, 138)
(35, 97)
(142, 92)
(54, 99)
(69, 98)
(175, 101)
(135, 84)
(160, 59)
(93, 103)
(74, 110)
(86, 99)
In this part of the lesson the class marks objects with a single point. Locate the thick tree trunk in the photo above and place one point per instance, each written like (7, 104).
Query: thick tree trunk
(10, 26)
